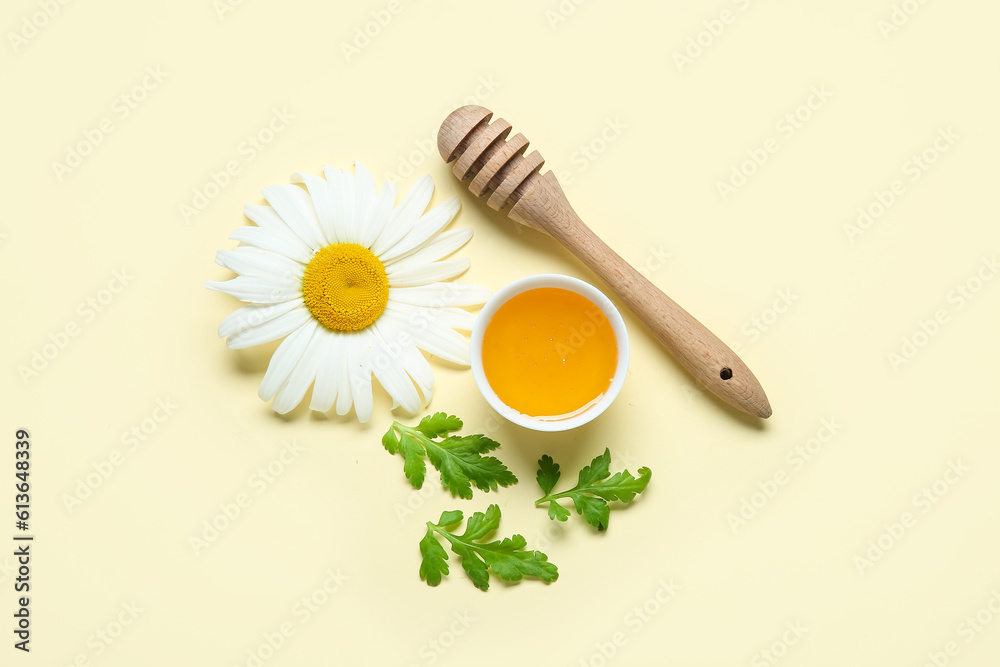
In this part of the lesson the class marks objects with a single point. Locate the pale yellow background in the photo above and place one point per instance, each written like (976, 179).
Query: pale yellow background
(661, 137)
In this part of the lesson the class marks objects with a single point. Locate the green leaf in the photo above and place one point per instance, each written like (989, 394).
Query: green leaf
(459, 459)
(439, 425)
(390, 441)
(548, 473)
(434, 559)
(598, 469)
(594, 510)
(557, 511)
(413, 460)
(450, 518)
(506, 558)
(622, 485)
(594, 489)
(461, 463)
(482, 524)
(473, 565)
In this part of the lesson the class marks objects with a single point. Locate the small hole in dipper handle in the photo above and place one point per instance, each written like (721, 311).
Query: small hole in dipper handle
(726, 373)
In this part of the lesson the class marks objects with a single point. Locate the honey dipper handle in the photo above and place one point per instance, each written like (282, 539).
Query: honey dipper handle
(714, 366)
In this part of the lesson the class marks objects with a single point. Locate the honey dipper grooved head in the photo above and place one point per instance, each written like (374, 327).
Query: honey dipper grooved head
(482, 153)
(457, 127)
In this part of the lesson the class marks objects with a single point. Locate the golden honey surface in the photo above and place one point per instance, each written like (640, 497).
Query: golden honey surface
(549, 352)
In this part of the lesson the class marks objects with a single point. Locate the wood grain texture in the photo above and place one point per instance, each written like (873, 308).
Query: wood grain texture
(499, 166)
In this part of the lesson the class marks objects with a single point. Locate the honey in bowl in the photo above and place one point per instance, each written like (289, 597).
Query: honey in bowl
(549, 353)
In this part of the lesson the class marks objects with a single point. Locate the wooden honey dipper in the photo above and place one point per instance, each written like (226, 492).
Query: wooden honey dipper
(494, 163)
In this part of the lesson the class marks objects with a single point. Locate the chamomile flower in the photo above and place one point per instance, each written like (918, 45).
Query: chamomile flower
(354, 283)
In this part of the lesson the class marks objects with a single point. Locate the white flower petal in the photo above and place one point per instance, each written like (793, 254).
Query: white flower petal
(323, 202)
(440, 294)
(273, 329)
(344, 396)
(453, 318)
(429, 224)
(447, 318)
(445, 343)
(267, 218)
(418, 368)
(379, 216)
(265, 239)
(254, 315)
(414, 362)
(389, 371)
(437, 248)
(429, 273)
(325, 388)
(359, 366)
(285, 358)
(405, 215)
(364, 201)
(341, 184)
(250, 261)
(295, 207)
(295, 387)
(258, 290)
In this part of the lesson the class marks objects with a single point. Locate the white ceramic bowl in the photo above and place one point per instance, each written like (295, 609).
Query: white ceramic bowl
(574, 285)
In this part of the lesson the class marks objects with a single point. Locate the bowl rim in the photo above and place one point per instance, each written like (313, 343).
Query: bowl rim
(538, 281)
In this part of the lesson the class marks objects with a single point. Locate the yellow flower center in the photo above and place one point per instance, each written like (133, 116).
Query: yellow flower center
(345, 287)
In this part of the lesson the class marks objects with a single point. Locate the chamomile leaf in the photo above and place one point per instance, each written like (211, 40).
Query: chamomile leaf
(507, 558)
(595, 488)
(482, 524)
(450, 518)
(598, 469)
(390, 441)
(434, 559)
(473, 564)
(557, 511)
(622, 485)
(413, 460)
(459, 459)
(548, 473)
(461, 464)
(439, 425)
(594, 510)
